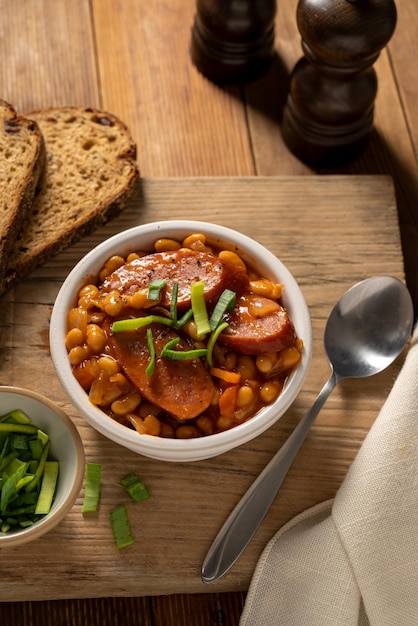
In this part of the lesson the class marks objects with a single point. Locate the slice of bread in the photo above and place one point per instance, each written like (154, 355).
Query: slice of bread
(89, 175)
(22, 157)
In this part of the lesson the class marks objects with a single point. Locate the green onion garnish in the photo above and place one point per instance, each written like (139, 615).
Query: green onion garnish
(225, 303)
(212, 340)
(135, 487)
(120, 527)
(93, 473)
(150, 343)
(139, 322)
(154, 289)
(200, 313)
(179, 355)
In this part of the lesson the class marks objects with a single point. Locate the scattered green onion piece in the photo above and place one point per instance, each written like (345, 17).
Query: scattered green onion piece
(92, 474)
(135, 487)
(225, 303)
(154, 289)
(43, 437)
(48, 487)
(200, 313)
(139, 322)
(178, 355)
(212, 340)
(120, 527)
(150, 343)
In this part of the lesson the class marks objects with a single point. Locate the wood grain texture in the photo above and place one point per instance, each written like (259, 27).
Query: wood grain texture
(350, 233)
(132, 57)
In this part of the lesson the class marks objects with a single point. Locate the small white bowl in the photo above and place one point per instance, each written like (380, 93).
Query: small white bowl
(66, 447)
(142, 238)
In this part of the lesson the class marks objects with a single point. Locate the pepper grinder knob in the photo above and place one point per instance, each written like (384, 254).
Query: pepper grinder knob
(232, 41)
(329, 111)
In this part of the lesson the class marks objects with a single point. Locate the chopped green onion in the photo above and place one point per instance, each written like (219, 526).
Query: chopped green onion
(17, 416)
(91, 498)
(9, 427)
(40, 469)
(225, 303)
(154, 289)
(48, 486)
(200, 313)
(135, 487)
(151, 366)
(8, 492)
(120, 527)
(212, 340)
(173, 303)
(139, 322)
(179, 355)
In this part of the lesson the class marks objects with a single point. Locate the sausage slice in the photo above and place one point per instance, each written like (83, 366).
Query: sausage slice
(183, 267)
(257, 325)
(182, 388)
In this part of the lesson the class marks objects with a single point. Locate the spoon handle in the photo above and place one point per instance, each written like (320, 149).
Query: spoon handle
(250, 511)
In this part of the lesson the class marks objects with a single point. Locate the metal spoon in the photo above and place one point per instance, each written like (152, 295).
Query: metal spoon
(367, 329)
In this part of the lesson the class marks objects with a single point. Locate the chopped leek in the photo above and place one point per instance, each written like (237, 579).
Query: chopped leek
(120, 527)
(48, 486)
(200, 313)
(180, 355)
(135, 487)
(92, 474)
(154, 289)
(225, 303)
(150, 343)
(212, 340)
(139, 322)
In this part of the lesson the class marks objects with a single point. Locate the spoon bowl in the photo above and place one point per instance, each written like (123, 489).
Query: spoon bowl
(366, 330)
(369, 327)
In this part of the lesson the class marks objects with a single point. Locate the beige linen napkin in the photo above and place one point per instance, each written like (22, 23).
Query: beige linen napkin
(353, 561)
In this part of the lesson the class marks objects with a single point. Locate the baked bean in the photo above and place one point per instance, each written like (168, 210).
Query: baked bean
(193, 239)
(270, 391)
(245, 397)
(246, 367)
(187, 431)
(266, 362)
(266, 288)
(126, 404)
(78, 354)
(110, 266)
(259, 378)
(166, 245)
(228, 256)
(75, 337)
(96, 339)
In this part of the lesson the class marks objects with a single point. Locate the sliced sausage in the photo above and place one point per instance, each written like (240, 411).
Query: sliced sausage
(257, 325)
(183, 267)
(182, 388)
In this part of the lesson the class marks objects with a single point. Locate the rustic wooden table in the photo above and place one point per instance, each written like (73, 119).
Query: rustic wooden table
(212, 153)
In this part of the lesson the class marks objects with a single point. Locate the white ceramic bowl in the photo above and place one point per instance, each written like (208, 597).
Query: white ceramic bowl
(143, 237)
(66, 447)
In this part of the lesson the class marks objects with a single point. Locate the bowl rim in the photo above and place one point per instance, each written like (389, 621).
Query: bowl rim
(198, 448)
(55, 516)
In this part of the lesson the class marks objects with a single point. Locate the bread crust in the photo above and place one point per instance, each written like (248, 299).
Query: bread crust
(22, 157)
(89, 176)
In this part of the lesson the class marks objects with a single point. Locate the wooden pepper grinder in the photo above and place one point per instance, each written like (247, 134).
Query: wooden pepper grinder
(232, 41)
(329, 111)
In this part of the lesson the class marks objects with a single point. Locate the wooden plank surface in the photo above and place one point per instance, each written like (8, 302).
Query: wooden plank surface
(349, 233)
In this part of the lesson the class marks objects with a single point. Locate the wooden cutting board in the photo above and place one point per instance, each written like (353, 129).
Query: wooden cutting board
(330, 232)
